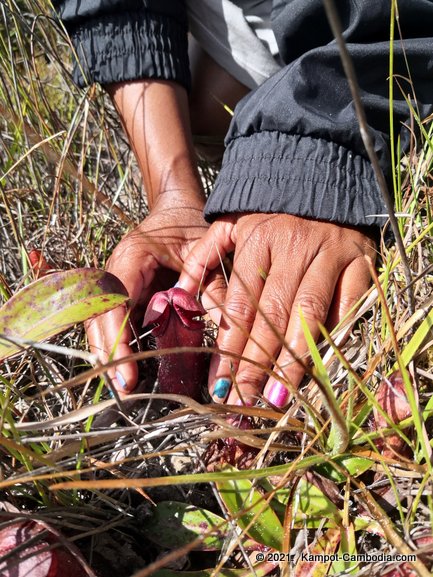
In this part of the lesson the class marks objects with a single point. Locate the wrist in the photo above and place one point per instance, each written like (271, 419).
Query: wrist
(155, 116)
(179, 199)
(179, 186)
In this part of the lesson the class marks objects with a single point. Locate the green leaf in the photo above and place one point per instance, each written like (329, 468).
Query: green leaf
(173, 524)
(312, 508)
(313, 504)
(56, 302)
(369, 525)
(251, 512)
(317, 555)
(339, 435)
(354, 466)
(417, 340)
(347, 563)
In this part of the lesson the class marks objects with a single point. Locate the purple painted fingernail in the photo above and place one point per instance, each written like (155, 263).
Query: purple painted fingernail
(278, 394)
(121, 380)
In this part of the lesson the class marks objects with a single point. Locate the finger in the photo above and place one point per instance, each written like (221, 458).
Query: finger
(214, 295)
(313, 298)
(106, 337)
(354, 281)
(106, 344)
(238, 314)
(267, 334)
(207, 254)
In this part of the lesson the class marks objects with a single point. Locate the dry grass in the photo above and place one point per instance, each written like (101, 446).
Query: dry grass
(69, 186)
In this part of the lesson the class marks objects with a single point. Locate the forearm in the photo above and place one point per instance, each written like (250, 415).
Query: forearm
(155, 117)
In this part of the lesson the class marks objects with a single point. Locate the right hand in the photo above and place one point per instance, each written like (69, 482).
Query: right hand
(282, 264)
(146, 260)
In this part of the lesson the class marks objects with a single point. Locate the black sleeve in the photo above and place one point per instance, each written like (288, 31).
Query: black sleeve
(294, 145)
(117, 40)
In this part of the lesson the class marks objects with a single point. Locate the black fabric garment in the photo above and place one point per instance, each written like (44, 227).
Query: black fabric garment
(118, 40)
(294, 145)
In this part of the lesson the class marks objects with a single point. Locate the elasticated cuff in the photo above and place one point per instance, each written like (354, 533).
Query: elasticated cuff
(273, 172)
(130, 46)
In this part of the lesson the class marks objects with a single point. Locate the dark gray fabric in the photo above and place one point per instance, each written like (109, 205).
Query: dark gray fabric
(75, 11)
(118, 40)
(270, 171)
(294, 144)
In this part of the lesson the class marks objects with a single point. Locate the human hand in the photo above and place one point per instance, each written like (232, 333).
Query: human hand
(146, 260)
(282, 263)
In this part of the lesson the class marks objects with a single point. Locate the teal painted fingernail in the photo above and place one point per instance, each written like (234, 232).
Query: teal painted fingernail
(221, 388)
(121, 380)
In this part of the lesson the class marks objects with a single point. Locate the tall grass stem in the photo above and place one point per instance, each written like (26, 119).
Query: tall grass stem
(334, 22)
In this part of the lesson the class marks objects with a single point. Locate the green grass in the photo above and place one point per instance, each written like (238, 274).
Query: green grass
(69, 185)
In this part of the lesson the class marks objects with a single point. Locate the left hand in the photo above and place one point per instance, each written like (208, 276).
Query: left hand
(282, 263)
(146, 260)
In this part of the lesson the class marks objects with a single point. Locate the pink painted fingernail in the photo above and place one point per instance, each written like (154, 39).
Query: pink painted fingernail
(278, 394)
(245, 402)
(241, 421)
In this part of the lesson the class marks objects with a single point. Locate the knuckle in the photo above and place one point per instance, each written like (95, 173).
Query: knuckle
(125, 249)
(250, 375)
(347, 302)
(273, 314)
(238, 308)
(314, 306)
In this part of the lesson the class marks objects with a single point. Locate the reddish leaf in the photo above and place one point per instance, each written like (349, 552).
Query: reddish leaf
(39, 264)
(405, 569)
(392, 398)
(37, 559)
(318, 556)
(231, 451)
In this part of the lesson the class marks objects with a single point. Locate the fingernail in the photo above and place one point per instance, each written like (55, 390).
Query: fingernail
(240, 420)
(121, 380)
(245, 402)
(278, 394)
(221, 388)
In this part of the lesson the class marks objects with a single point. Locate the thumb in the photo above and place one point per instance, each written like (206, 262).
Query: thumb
(207, 254)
